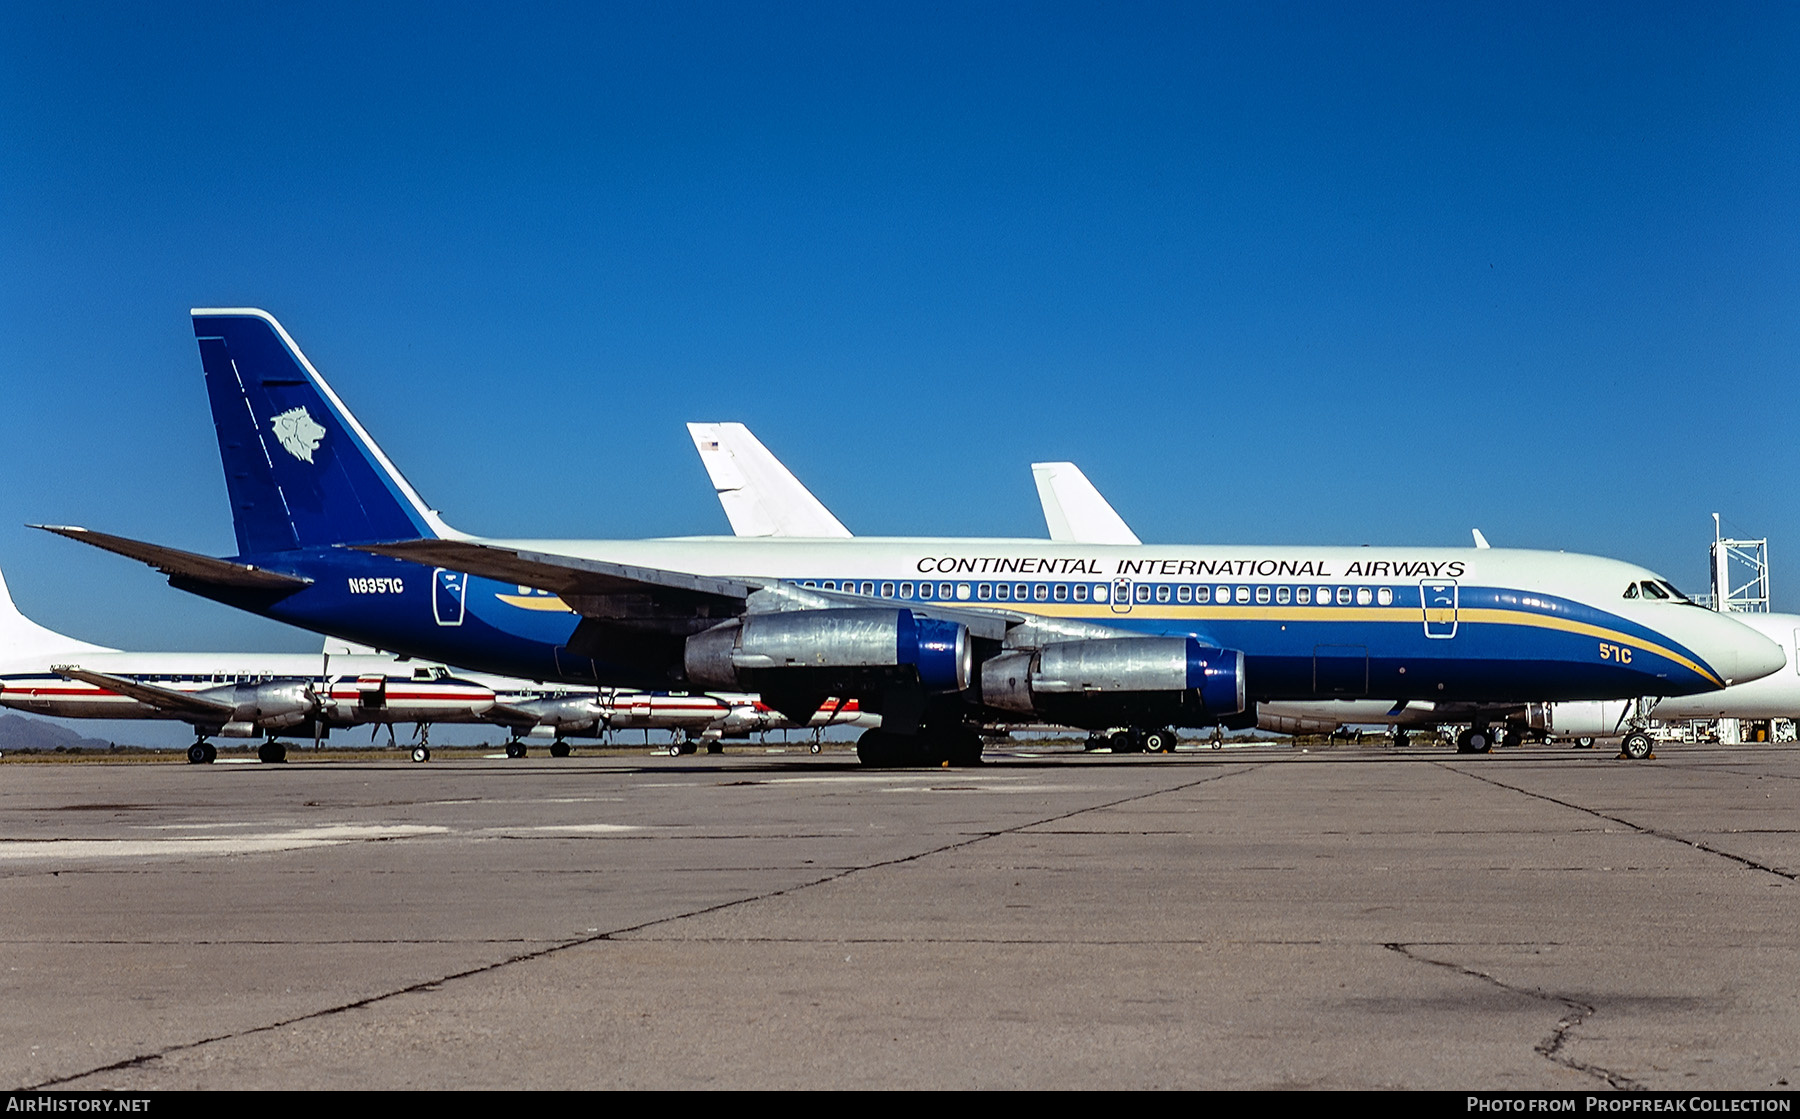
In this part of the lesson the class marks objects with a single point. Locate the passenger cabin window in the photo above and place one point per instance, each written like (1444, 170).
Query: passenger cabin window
(1202, 594)
(1243, 594)
(1184, 594)
(1224, 595)
(1324, 596)
(1162, 593)
(1142, 593)
(1262, 596)
(1364, 596)
(924, 590)
(1081, 592)
(887, 590)
(1061, 591)
(984, 591)
(943, 590)
(1021, 592)
(1003, 591)
(1385, 596)
(1282, 594)
(906, 590)
(868, 588)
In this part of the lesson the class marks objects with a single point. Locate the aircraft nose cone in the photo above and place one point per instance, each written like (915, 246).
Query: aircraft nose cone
(1748, 655)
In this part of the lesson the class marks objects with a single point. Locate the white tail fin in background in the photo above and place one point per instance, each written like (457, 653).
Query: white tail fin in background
(22, 639)
(761, 497)
(1074, 509)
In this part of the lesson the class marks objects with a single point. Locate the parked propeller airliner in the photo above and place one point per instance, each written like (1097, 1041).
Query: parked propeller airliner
(235, 695)
(937, 636)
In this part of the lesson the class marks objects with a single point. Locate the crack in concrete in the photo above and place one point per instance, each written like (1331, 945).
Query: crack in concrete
(1643, 829)
(143, 1059)
(1552, 1047)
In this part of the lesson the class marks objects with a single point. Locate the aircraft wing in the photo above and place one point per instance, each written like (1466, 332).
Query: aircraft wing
(166, 699)
(177, 564)
(511, 715)
(568, 576)
(602, 590)
(1074, 510)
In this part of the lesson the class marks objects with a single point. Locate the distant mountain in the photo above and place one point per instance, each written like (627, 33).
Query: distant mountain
(19, 733)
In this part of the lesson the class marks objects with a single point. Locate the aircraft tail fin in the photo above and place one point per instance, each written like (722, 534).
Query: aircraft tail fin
(761, 496)
(300, 471)
(23, 639)
(1074, 509)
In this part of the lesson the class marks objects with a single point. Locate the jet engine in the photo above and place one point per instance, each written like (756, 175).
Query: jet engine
(833, 651)
(1129, 680)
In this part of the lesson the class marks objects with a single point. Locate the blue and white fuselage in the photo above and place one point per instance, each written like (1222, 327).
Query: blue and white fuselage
(927, 632)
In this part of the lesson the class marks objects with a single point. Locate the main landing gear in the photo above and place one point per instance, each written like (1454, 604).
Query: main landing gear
(1637, 746)
(1135, 740)
(1475, 740)
(271, 752)
(515, 748)
(887, 750)
(202, 752)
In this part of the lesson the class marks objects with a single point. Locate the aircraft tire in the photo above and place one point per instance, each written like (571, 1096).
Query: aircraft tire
(515, 749)
(1475, 741)
(1125, 742)
(816, 747)
(1160, 742)
(272, 753)
(559, 749)
(197, 754)
(1584, 743)
(963, 747)
(421, 753)
(1637, 746)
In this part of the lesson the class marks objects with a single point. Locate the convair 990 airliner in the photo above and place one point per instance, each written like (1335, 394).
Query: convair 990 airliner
(938, 636)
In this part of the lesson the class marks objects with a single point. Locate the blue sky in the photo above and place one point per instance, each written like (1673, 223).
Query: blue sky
(1335, 274)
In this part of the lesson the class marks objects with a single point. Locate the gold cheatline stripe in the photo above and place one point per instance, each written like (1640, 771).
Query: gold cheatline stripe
(535, 602)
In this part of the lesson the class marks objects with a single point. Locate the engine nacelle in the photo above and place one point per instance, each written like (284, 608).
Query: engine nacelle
(1100, 683)
(1598, 718)
(565, 714)
(858, 645)
(266, 706)
(1294, 724)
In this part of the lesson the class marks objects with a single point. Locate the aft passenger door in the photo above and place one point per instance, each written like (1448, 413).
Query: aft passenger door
(449, 591)
(1439, 598)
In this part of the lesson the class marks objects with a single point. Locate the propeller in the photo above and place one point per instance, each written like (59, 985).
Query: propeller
(321, 699)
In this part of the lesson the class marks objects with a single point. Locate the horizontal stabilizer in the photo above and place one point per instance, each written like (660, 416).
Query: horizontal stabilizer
(761, 496)
(165, 699)
(1074, 509)
(176, 563)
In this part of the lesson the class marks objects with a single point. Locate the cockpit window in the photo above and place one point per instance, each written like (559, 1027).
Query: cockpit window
(1631, 591)
(1673, 593)
(1651, 590)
